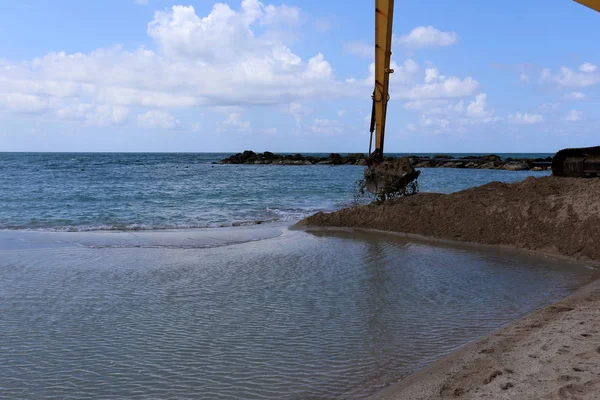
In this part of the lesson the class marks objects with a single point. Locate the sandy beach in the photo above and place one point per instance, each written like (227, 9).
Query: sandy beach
(553, 353)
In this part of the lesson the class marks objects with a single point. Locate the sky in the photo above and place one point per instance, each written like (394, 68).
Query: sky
(296, 76)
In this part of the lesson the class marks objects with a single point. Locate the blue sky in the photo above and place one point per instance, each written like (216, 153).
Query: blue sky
(158, 75)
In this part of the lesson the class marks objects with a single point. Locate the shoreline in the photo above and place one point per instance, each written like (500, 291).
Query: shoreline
(550, 353)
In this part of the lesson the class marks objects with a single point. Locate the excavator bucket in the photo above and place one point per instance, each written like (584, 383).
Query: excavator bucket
(391, 178)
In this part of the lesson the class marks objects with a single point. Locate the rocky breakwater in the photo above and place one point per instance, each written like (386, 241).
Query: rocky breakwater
(437, 161)
(491, 161)
(250, 157)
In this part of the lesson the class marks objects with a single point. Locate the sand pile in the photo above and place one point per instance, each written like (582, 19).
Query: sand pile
(550, 214)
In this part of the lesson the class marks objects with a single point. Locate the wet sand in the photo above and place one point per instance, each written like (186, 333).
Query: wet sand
(553, 353)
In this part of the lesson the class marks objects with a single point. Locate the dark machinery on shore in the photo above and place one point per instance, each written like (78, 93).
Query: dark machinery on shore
(582, 162)
(388, 179)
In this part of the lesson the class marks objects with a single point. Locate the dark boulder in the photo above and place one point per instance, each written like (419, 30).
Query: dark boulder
(335, 159)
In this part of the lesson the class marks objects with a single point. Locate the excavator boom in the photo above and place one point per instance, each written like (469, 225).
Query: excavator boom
(385, 178)
(384, 18)
(593, 4)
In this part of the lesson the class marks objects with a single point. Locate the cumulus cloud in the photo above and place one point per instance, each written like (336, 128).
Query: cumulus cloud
(525, 118)
(186, 70)
(478, 107)
(587, 67)
(427, 36)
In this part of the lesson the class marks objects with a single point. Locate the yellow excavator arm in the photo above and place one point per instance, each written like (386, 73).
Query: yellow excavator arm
(384, 18)
(593, 4)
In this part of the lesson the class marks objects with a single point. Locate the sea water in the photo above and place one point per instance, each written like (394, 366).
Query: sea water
(99, 301)
(87, 191)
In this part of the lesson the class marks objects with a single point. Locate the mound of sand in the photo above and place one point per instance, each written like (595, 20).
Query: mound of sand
(550, 214)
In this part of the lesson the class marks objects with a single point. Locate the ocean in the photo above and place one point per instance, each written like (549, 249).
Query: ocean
(86, 191)
(164, 276)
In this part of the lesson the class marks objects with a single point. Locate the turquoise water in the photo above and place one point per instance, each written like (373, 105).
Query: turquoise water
(85, 191)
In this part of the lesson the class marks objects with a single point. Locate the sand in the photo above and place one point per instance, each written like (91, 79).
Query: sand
(559, 216)
(553, 353)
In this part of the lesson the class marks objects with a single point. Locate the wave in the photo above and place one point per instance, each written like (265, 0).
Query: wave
(270, 216)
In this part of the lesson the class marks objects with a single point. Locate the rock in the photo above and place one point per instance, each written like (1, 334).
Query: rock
(335, 159)
(491, 161)
(488, 165)
(516, 166)
(424, 164)
(491, 157)
(249, 156)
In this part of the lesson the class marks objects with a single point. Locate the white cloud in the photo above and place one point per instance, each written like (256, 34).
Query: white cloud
(157, 119)
(432, 74)
(21, 103)
(435, 106)
(360, 49)
(574, 96)
(574, 116)
(141, 2)
(448, 87)
(403, 82)
(478, 107)
(341, 113)
(524, 78)
(569, 78)
(448, 115)
(234, 122)
(107, 115)
(435, 122)
(525, 119)
(318, 68)
(587, 67)
(428, 36)
(187, 70)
